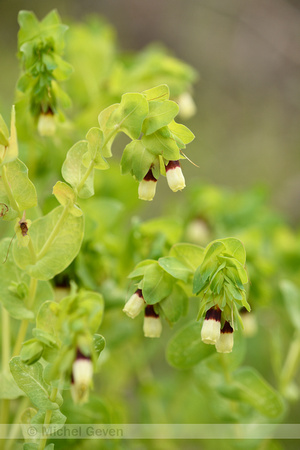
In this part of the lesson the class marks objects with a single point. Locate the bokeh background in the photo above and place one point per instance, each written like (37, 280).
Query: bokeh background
(247, 53)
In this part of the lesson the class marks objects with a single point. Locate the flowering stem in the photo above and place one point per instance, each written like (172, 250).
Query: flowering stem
(25, 322)
(47, 419)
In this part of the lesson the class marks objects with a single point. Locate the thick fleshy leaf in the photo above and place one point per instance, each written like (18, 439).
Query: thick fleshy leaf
(62, 251)
(161, 113)
(21, 187)
(28, 26)
(186, 348)
(140, 268)
(99, 343)
(162, 143)
(161, 92)
(130, 115)
(73, 169)
(157, 284)
(175, 267)
(30, 380)
(141, 161)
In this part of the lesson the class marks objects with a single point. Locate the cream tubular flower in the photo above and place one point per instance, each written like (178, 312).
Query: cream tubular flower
(211, 327)
(82, 375)
(225, 342)
(147, 187)
(152, 324)
(135, 304)
(175, 176)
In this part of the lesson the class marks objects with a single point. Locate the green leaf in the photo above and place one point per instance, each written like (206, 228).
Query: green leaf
(21, 187)
(103, 119)
(130, 115)
(30, 380)
(181, 132)
(161, 113)
(257, 392)
(11, 277)
(162, 143)
(62, 251)
(65, 194)
(201, 277)
(185, 349)
(73, 169)
(28, 26)
(235, 248)
(212, 250)
(4, 134)
(47, 323)
(141, 160)
(99, 343)
(94, 305)
(31, 351)
(161, 92)
(140, 268)
(175, 305)
(191, 255)
(157, 284)
(291, 297)
(8, 387)
(95, 140)
(12, 150)
(175, 268)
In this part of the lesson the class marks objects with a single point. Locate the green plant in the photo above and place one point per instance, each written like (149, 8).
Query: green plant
(69, 261)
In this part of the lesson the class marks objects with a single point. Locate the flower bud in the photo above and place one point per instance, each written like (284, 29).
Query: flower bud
(211, 327)
(152, 323)
(187, 107)
(175, 176)
(135, 304)
(147, 187)
(225, 342)
(82, 373)
(46, 124)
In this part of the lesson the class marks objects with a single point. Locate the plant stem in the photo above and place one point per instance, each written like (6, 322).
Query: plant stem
(5, 340)
(53, 233)
(8, 191)
(291, 363)
(5, 403)
(47, 419)
(92, 162)
(25, 322)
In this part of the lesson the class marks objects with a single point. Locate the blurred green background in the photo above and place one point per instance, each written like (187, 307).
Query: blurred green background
(247, 95)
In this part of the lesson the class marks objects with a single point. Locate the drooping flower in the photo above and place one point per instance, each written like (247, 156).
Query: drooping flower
(82, 374)
(187, 107)
(152, 323)
(225, 342)
(135, 304)
(46, 123)
(175, 176)
(147, 187)
(211, 327)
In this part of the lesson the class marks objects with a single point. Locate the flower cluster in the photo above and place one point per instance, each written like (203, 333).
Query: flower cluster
(211, 332)
(152, 324)
(175, 179)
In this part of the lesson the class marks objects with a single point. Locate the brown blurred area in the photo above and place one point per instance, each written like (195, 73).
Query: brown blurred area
(247, 53)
